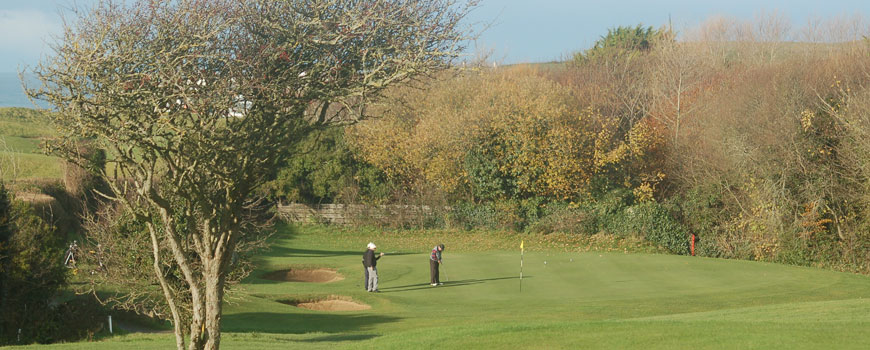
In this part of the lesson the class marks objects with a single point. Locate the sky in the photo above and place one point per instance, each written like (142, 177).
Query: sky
(517, 31)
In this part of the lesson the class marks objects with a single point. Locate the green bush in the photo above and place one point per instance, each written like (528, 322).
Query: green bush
(77, 319)
(609, 211)
(615, 214)
(606, 214)
(469, 215)
(31, 257)
(795, 250)
(655, 223)
(493, 216)
(623, 42)
(562, 217)
(64, 212)
(512, 215)
(6, 225)
(326, 171)
(485, 177)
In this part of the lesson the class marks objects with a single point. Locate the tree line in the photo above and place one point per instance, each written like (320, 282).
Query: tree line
(730, 131)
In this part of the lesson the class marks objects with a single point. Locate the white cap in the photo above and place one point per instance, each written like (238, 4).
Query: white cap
(371, 245)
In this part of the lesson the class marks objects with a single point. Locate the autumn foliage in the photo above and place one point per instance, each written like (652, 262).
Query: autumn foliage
(751, 135)
(508, 134)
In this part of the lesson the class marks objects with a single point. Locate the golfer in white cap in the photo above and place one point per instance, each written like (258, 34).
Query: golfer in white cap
(370, 261)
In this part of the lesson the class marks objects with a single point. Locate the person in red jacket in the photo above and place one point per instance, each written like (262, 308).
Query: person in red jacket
(434, 263)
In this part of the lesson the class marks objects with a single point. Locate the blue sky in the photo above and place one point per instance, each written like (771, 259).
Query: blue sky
(521, 30)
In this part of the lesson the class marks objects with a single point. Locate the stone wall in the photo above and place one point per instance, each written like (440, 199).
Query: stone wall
(344, 214)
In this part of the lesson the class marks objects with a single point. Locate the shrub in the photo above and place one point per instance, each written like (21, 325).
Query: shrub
(76, 319)
(31, 258)
(499, 216)
(50, 200)
(486, 180)
(61, 210)
(80, 180)
(563, 217)
(655, 223)
(6, 225)
(623, 42)
(326, 171)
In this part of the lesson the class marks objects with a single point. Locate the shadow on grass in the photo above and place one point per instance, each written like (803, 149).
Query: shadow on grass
(340, 337)
(402, 253)
(279, 251)
(283, 234)
(301, 323)
(447, 284)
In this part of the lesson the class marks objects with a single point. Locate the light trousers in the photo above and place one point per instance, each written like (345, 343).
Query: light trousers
(373, 279)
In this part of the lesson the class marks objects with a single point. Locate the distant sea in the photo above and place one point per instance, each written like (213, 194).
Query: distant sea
(11, 93)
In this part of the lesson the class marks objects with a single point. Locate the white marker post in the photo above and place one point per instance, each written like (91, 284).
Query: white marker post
(522, 254)
(110, 324)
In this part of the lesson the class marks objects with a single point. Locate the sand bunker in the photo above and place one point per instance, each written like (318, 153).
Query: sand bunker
(333, 303)
(305, 275)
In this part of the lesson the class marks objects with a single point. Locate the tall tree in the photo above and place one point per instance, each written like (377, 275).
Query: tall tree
(197, 101)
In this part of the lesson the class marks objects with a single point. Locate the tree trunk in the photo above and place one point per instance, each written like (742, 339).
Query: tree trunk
(190, 277)
(214, 290)
(197, 326)
(167, 293)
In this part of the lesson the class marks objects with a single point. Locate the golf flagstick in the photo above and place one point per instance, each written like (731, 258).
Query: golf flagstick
(522, 254)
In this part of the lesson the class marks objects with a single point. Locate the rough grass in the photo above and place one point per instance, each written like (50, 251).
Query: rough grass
(20, 127)
(19, 144)
(578, 299)
(21, 132)
(19, 166)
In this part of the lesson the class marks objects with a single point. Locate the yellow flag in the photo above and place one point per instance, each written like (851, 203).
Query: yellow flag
(521, 244)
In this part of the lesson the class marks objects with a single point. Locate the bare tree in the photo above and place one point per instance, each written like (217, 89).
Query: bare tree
(197, 102)
(771, 30)
(677, 85)
(718, 35)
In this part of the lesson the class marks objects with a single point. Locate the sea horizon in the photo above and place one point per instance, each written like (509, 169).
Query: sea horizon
(12, 93)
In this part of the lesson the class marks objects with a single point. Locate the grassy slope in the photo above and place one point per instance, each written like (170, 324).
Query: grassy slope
(598, 300)
(21, 131)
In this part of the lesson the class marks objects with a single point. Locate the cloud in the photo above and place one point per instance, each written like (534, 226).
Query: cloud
(24, 34)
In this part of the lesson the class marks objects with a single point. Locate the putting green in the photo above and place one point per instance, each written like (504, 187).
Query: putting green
(575, 300)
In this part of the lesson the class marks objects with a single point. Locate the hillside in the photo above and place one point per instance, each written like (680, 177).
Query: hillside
(21, 132)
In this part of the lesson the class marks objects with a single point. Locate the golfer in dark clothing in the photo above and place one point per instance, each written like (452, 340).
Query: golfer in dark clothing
(434, 263)
(365, 273)
(370, 261)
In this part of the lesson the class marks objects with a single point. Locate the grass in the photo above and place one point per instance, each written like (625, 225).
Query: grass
(29, 166)
(21, 132)
(591, 293)
(20, 144)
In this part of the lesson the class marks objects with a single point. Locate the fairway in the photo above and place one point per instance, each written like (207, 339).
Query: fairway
(575, 300)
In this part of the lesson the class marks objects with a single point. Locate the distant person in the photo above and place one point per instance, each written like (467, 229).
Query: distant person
(370, 261)
(434, 263)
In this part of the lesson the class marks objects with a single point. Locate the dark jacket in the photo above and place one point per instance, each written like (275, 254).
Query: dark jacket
(370, 259)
